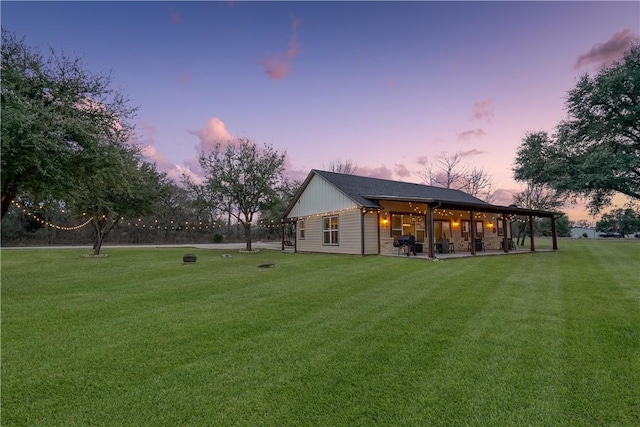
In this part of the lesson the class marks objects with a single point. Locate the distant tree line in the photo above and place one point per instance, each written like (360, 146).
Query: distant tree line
(73, 173)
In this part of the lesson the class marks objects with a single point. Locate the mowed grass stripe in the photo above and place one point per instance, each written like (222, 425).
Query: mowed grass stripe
(139, 338)
(495, 371)
(602, 337)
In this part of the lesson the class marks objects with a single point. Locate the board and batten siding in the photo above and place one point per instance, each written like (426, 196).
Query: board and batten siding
(320, 197)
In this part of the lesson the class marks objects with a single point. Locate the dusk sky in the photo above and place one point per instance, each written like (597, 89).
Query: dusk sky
(390, 86)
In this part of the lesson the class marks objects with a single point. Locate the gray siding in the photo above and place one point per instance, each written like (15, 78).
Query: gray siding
(371, 233)
(349, 234)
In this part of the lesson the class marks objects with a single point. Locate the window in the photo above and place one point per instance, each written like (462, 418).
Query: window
(396, 225)
(466, 230)
(301, 228)
(442, 230)
(330, 230)
(402, 225)
(500, 227)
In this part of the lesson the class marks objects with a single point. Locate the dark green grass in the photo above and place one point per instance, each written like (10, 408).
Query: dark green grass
(139, 338)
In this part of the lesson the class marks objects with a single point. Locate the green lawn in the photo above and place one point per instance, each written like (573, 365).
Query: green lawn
(140, 339)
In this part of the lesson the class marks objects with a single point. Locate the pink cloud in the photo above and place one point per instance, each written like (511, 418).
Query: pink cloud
(503, 196)
(422, 160)
(179, 173)
(174, 171)
(185, 78)
(151, 152)
(382, 172)
(214, 131)
(603, 54)
(279, 65)
(483, 110)
(391, 83)
(470, 134)
(294, 174)
(176, 18)
(401, 170)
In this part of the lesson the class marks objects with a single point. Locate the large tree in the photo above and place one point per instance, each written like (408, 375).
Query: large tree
(245, 177)
(624, 221)
(53, 111)
(119, 184)
(595, 152)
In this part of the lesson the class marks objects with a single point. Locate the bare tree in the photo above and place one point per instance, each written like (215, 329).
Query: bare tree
(478, 183)
(449, 172)
(346, 167)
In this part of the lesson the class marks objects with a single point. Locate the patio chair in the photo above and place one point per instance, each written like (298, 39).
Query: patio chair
(444, 246)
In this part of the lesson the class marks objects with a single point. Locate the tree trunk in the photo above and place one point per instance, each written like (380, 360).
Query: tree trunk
(102, 228)
(97, 245)
(522, 233)
(7, 198)
(247, 235)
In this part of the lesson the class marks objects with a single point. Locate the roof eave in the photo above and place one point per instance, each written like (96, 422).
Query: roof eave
(398, 198)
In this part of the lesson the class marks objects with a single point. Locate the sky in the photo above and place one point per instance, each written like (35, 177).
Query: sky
(390, 86)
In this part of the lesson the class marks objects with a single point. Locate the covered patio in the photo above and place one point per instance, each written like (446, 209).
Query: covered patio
(448, 230)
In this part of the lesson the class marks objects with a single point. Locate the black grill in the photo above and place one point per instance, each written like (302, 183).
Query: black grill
(406, 240)
(408, 243)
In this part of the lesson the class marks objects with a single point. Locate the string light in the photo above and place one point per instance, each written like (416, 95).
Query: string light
(49, 224)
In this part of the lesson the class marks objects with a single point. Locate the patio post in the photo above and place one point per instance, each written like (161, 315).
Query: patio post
(553, 233)
(505, 238)
(533, 245)
(430, 231)
(472, 239)
(378, 219)
(363, 212)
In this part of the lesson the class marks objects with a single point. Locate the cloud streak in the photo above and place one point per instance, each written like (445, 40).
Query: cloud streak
(483, 110)
(279, 65)
(604, 54)
(470, 134)
(470, 153)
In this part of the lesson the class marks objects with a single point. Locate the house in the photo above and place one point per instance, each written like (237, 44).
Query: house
(583, 232)
(349, 214)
